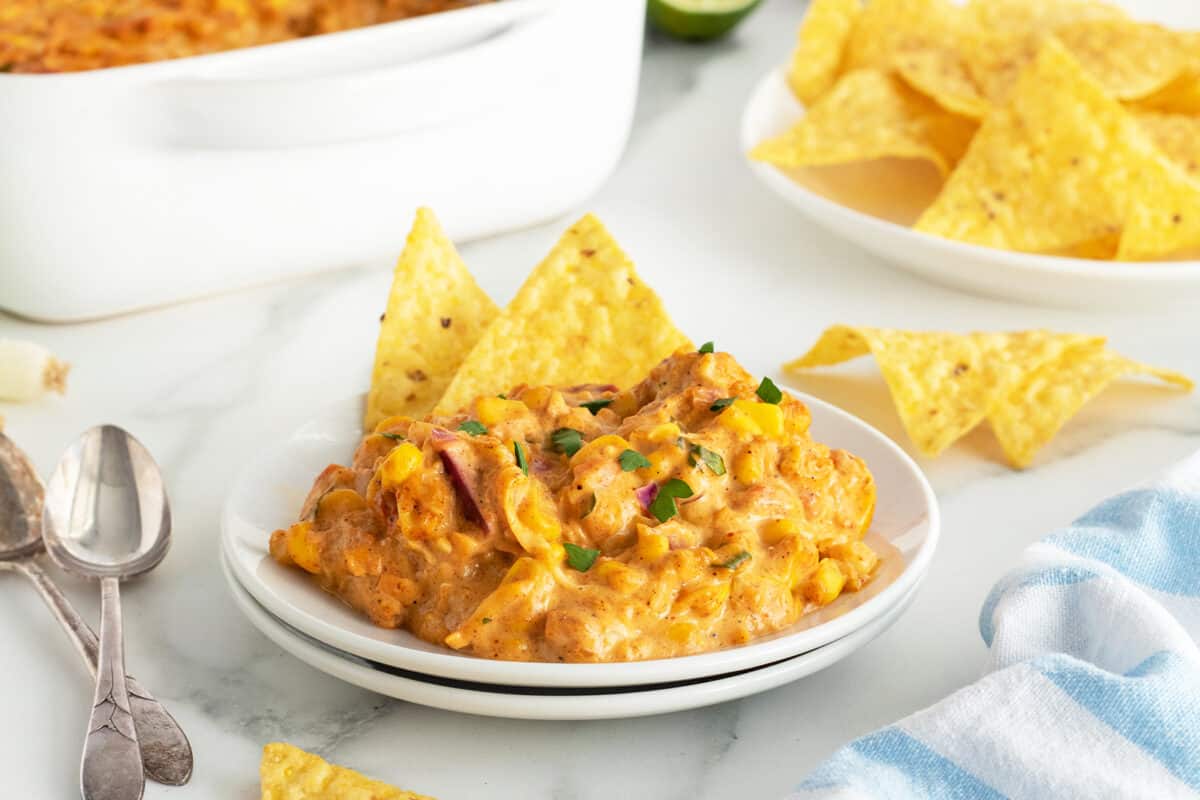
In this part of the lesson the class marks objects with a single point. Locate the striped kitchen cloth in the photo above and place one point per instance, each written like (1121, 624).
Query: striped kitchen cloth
(1095, 684)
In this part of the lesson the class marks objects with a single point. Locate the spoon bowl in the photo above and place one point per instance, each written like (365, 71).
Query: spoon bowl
(107, 481)
(20, 504)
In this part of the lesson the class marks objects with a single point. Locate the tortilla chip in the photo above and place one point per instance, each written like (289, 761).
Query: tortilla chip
(1027, 384)
(1032, 412)
(869, 115)
(886, 28)
(1054, 168)
(1029, 16)
(1163, 216)
(1182, 95)
(435, 315)
(943, 75)
(943, 384)
(817, 58)
(1130, 60)
(1176, 135)
(583, 316)
(289, 773)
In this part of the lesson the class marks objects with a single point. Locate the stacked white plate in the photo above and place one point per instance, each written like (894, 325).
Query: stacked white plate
(321, 631)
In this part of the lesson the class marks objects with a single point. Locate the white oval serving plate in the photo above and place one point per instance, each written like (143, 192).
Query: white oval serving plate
(499, 701)
(269, 492)
(877, 218)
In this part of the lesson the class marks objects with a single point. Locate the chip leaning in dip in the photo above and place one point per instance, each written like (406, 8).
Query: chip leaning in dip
(1027, 384)
(687, 513)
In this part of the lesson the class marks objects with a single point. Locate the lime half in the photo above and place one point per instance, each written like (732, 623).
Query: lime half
(699, 19)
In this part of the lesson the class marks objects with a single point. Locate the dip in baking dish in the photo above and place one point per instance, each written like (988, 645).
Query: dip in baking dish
(689, 513)
(75, 35)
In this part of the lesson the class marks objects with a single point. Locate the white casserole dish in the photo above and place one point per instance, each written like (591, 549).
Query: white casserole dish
(136, 186)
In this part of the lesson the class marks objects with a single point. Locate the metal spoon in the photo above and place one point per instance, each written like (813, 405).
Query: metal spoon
(107, 517)
(166, 752)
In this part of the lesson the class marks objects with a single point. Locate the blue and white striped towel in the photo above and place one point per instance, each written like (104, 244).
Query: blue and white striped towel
(1095, 691)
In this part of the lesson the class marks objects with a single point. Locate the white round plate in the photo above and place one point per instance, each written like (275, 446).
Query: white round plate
(269, 492)
(550, 704)
(873, 204)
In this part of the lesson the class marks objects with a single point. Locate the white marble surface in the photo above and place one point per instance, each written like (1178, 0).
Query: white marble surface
(206, 383)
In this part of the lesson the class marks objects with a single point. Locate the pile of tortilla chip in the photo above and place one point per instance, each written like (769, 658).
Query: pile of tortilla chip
(582, 316)
(289, 773)
(1026, 384)
(1060, 126)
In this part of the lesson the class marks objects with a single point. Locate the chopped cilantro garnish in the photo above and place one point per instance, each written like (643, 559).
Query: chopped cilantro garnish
(631, 460)
(768, 392)
(663, 506)
(580, 558)
(567, 440)
(722, 404)
(591, 506)
(707, 347)
(519, 453)
(486, 620)
(502, 396)
(736, 561)
(594, 406)
(473, 427)
(395, 437)
(710, 458)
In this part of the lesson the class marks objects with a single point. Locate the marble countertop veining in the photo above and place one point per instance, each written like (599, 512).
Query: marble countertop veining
(206, 383)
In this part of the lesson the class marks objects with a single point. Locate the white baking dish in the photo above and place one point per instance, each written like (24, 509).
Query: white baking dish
(136, 186)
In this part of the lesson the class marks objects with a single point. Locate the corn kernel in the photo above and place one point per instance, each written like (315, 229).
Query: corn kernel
(388, 424)
(535, 399)
(706, 600)
(652, 546)
(303, 548)
(340, 502)
(401, 462)
(662, 463)
(619, 576)
(494, 410)
(826, 583)
(609, 444)
(680, 632)
(767, 416)
(624, 404)
(666, 432)
(748, 466)
(737, 419)
(777, 530)
(536, 514)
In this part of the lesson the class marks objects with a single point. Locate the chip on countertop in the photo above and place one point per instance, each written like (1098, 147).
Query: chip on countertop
(943, 384)
(822, 39)
(582, 316)
(435, 315)
(867, 115)
(289, 773)
(1027, 384)
(1031, 413)
(1060, 165)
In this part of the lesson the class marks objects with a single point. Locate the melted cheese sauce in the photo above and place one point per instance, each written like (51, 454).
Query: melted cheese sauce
(443, 532)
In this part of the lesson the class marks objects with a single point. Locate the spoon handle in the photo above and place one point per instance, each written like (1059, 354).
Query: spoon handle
(112, 761)
(166, 752)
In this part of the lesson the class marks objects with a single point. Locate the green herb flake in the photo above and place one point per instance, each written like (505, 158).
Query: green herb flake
(502, 396)
(486, 620)
(663, 506)
(735, 562)
(707, 347)
(768, 392)
(722, 404)
(591, 506)
(631, 460)
(567, 440)
(473, 427)
(710, 458)
(594, 406)
(580, 558)
(395, 437)
(519, 453)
